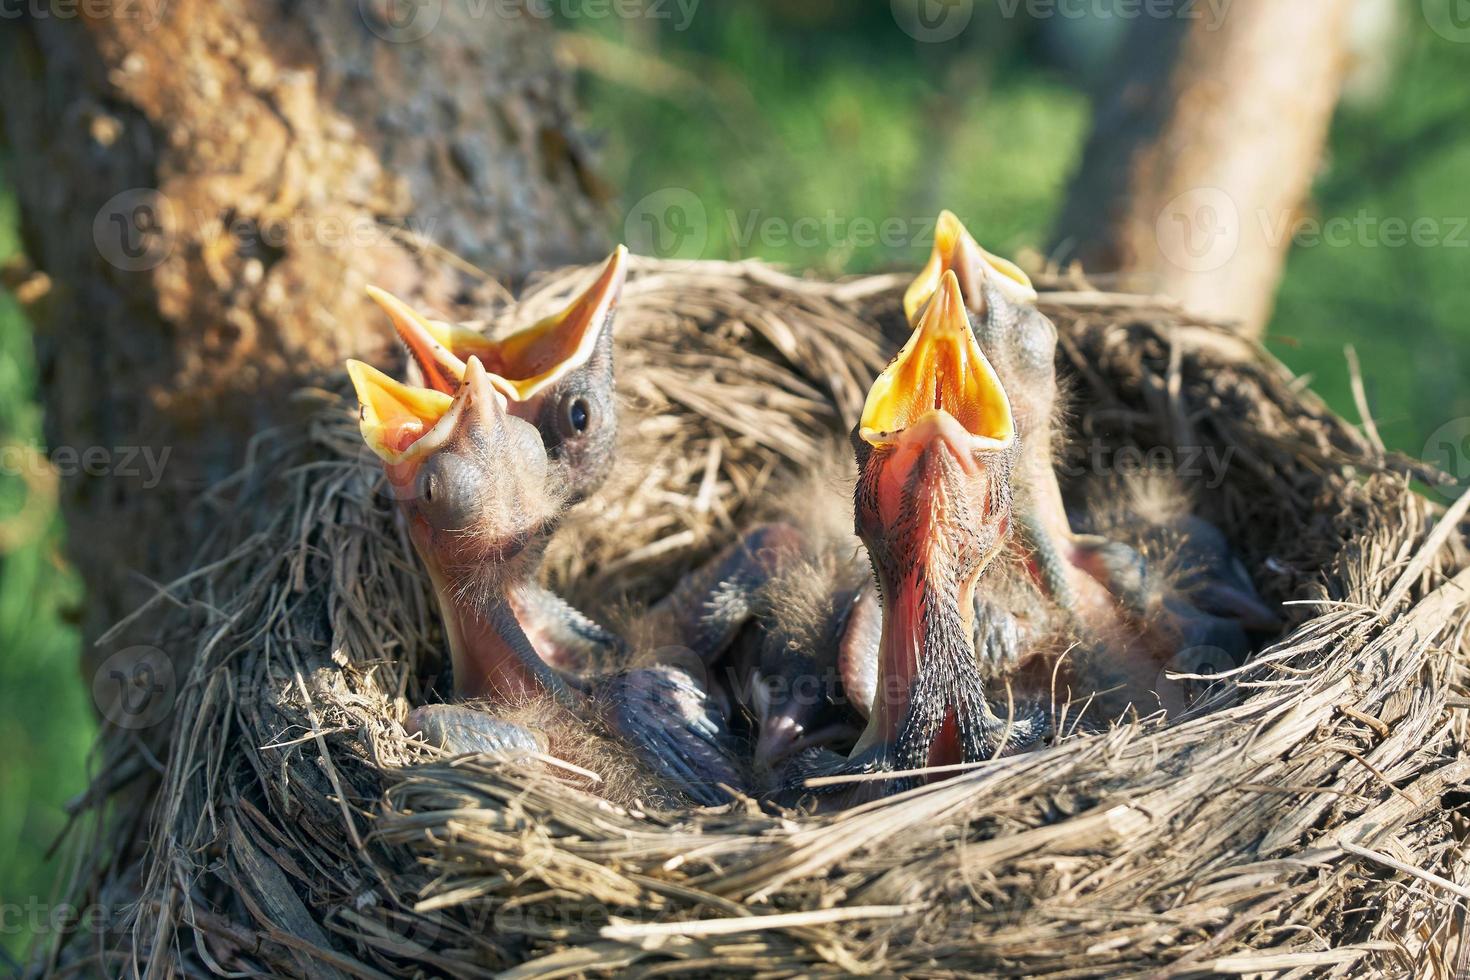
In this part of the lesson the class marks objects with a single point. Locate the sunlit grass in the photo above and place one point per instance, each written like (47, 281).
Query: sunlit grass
(835, 158)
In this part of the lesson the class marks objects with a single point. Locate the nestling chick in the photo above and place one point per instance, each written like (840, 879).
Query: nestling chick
(810, 670)
(481, 495)
(557, 375)
(1096, 579)
(935, 449)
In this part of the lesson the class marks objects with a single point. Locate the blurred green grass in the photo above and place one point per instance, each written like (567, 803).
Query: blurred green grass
(800, 129)
(46, 724)
(1405, 307)
(827, 111)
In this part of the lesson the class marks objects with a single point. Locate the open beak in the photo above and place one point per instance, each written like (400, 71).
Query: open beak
(955, 250)
(395, 417)
(940, 382)
(542, 354)
(472, 485)
(526, 362)
(406, 424)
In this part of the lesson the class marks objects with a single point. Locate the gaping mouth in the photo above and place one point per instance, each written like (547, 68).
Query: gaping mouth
(399, 422)
(955, 250)
(526, 362)
(541, 354)
(941, 371)
(404, 423)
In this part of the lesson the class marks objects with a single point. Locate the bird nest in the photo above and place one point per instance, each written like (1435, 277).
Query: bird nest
(1307, 818)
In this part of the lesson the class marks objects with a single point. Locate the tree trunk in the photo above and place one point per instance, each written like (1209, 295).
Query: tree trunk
(205, 189)
(1204, 149)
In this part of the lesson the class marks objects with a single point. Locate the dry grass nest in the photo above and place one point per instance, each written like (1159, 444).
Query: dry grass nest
(1312, 822)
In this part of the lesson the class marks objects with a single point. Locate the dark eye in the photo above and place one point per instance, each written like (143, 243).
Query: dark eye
(577, 415)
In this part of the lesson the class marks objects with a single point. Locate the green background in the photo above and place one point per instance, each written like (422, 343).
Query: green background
(825, 111)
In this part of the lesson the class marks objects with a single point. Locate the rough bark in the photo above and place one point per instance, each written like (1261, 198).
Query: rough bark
(206, 188)
(1203, 149)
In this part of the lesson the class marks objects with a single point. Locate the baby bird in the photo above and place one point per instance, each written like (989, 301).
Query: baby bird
(557, 375)
(810, 670)
(481, 495)
(936, 446)
(1098, 580)
(558, 371)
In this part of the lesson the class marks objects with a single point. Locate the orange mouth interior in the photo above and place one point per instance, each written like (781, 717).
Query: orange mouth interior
(940, 369)
(525, 362)
(539, 355)
(394, 416)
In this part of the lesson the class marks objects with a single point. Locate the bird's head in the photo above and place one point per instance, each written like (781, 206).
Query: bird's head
(556, 374)
(472, 481)
(934, 446)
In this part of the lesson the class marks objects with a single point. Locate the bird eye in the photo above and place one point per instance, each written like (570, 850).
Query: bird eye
(576, 415)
